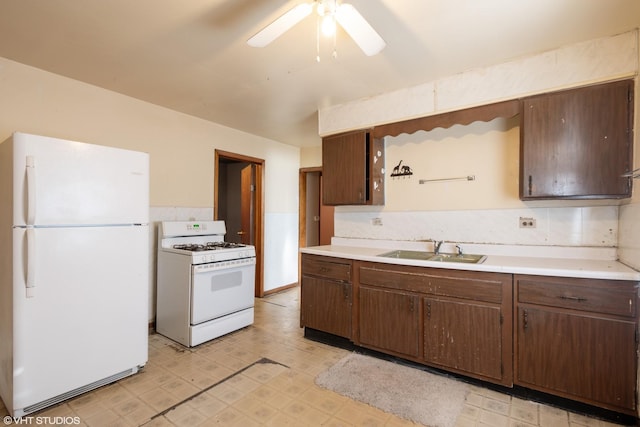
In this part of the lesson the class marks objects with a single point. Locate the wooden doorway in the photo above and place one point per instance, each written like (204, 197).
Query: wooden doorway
(239, 200)
(316, 219)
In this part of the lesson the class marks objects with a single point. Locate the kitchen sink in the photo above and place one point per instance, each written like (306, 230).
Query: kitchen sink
(431, 256)
(466, 258)
(402, 254)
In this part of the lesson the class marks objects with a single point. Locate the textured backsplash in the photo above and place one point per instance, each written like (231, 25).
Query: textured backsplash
(574, 226)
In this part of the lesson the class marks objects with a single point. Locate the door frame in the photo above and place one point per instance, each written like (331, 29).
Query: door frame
(302, 200)
(302, 209)
(258, 221)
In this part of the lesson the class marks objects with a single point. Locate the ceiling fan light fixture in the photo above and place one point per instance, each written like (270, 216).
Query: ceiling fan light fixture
(329, 12)
(328, 25)
(280, 25)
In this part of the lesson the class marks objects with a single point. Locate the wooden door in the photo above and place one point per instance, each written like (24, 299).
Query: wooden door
(247, 189)
(222, 157)
(326, 219)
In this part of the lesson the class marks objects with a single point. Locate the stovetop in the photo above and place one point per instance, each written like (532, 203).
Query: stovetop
(200, 242)
(208, 246)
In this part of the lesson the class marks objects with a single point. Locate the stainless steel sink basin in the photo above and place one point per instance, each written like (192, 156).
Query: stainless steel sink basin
(466, 258)
(431, 256)
(402, 254)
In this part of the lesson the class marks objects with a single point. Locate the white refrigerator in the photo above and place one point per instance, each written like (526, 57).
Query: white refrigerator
(74, 268)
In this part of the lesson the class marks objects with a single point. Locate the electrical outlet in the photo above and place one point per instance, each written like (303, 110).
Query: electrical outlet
(376, 221)
(527, 222)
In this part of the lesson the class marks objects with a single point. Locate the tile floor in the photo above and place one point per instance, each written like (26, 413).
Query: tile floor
(228, 382)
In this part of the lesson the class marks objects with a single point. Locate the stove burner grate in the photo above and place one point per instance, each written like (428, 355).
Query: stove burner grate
(209, 246)
(190, 247)
(224, 245)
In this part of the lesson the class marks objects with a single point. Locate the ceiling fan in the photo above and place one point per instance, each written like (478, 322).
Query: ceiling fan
(330, 12)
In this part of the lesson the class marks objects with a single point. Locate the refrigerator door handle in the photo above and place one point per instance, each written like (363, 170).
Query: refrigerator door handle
(31, 190)
(31, 262)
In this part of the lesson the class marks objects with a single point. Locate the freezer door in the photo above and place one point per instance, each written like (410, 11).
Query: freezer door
(87, 317)
(59, 182)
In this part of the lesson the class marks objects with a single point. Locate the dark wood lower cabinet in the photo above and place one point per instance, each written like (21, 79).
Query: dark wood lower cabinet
(568, 337)
(390, 321)
(326, 294)
(454, 320)
(464, 336)
(577, 338)
(583, 357)
(326, 306)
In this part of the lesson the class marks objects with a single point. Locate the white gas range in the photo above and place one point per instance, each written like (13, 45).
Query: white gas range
(205, 285)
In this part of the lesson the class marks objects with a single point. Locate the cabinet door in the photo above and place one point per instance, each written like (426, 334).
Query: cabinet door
(465, 336)
(582, 357)
(353, 169)
(326, 305)
(577, 143)
(344, 169)
(389, 321)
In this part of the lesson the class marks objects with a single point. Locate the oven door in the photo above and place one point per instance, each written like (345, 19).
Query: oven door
(217, 291)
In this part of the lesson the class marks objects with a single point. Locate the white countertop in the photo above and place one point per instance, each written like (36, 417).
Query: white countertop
(536, 265)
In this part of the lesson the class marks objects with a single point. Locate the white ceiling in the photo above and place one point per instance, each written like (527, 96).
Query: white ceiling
(191, 55)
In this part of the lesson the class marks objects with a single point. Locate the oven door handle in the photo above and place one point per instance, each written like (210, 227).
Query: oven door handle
(223, 266)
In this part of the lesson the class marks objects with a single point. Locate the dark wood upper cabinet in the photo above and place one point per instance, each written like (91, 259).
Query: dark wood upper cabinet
(574, 144)
(353, 169)
(577, 144)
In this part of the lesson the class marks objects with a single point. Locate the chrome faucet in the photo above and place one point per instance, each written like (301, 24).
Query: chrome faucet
(436, 246)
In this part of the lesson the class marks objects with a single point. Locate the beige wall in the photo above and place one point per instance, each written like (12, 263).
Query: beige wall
(311, 157)
(181, 146)
(181, 149)
(486, 151)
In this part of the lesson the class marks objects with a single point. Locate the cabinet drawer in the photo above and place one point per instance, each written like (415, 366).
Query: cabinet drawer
(326, 267)
(477, 286)
(408, 280)
(599, 296)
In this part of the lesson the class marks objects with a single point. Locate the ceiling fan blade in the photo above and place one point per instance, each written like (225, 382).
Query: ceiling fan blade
(280, 25)
(359, 29)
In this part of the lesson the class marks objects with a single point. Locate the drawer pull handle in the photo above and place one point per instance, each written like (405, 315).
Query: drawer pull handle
(579, 299)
